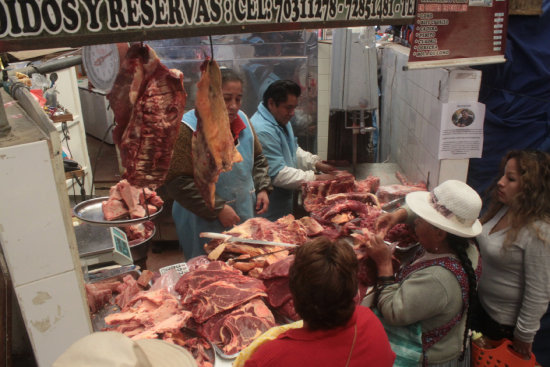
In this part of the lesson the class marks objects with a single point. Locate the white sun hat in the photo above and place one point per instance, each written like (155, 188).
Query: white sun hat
(453, 207)
(113, 349)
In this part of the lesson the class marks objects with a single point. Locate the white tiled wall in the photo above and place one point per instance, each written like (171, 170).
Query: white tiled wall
(411, 113)
(323, 98)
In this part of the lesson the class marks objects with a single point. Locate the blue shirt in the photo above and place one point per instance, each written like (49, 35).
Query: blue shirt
(279, 147)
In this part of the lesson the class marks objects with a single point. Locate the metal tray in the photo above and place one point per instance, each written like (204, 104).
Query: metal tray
(220, 352)
(91, 211)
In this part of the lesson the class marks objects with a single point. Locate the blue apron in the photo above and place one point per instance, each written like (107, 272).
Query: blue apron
(279, 147)
(235, 186)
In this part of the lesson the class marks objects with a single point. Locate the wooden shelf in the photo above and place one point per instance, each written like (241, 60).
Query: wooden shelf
(75, 174)
(62, 118)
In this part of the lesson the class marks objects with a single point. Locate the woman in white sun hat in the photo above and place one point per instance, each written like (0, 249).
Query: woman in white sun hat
(113, 349)
(430, 296)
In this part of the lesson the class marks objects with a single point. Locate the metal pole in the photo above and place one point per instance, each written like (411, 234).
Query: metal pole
(49, 66)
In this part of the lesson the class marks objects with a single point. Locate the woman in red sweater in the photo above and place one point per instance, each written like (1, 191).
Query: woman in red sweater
(336, 332)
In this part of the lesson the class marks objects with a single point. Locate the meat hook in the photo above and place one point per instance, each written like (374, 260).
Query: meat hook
(211, 47)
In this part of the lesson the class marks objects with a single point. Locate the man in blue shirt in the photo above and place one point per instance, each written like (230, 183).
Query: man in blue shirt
(289, 165)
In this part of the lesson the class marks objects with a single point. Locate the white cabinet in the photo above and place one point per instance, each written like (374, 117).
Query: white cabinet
(73, 134)
(98, 117)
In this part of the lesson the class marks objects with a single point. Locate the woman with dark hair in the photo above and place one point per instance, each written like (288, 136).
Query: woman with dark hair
(431, 294)
(241, 193)
(514, 290)
(336, 332)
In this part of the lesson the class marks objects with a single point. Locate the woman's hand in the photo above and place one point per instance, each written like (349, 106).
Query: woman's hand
(386, 221)
(381, 254)
(262, 202)
(228, 217)
(522, 348)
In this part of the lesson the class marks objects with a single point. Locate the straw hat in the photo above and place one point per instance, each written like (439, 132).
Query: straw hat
(109, 348)
(453, 207)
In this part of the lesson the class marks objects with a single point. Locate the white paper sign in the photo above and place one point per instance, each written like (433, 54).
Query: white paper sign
(461, 130)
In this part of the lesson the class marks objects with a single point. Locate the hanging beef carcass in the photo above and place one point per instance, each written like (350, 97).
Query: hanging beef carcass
(148, 102)
(213, 146)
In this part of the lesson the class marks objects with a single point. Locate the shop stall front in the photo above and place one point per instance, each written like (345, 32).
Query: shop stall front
(39, 242)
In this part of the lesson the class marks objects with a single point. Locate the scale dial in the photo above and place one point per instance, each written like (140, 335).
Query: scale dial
(102, 63)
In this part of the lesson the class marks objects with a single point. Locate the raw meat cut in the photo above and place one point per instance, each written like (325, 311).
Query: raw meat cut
(236, 329)
(213, 145)
(402, 234)
(198, 346)
(275, 278)
(288, 310)
(369, 184)
(148, 102)
(279, 269)
(128, 200)
(149, 315)
(209, 292)
(313, 228)
(388, 193)
(97, 297)
(314, 192)
(145, 278)
(391, 192)
(278, 292)
(286, 229)
(137, 233)
(114, 209)
(127, 290)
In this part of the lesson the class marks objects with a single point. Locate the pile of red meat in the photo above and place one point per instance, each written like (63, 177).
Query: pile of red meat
(286, 230)
(147, 314)
(315, 193)
(126, 200)
(227, 306)
(99, 294)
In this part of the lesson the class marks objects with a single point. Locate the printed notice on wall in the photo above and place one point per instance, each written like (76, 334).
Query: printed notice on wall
(461, 130)
(458, 32)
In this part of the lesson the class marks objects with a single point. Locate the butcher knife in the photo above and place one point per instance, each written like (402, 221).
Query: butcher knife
(228, 238)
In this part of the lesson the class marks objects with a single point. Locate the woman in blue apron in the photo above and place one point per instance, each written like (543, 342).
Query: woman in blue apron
(241, 193)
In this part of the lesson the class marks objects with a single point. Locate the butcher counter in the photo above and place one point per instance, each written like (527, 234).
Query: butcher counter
(386, 173)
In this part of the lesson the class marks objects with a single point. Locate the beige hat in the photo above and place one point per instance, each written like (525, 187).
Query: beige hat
(453, 207)
(113, 349)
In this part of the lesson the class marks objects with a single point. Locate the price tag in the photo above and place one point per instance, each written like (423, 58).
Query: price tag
(120, 242)
(181, 268)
